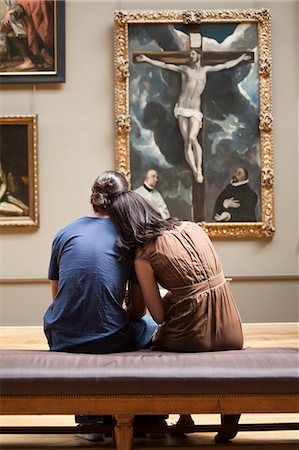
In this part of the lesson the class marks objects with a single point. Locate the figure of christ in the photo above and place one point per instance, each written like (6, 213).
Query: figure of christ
(188, 108)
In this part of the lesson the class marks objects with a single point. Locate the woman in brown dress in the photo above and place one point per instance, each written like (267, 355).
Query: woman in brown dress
(198, 313)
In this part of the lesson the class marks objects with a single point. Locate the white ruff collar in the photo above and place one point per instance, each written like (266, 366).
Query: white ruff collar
(239, 183)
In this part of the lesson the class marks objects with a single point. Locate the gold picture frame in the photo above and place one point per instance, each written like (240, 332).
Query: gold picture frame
(19, 205)
(147, 131)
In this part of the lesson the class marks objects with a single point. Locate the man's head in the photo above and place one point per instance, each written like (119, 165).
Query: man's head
(240, 174)
(105, 189)
(151, 178)
(194, 56)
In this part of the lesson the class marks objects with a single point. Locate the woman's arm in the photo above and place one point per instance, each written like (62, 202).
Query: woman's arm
(136, 306)
(149, 288)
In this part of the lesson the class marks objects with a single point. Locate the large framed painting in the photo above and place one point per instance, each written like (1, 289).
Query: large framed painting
(18, 172)
(193, 104)
(32, 41)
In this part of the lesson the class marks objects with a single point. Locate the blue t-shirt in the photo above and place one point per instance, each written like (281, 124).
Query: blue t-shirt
(86, 315)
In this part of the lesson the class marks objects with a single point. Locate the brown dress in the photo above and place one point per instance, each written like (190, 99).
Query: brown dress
(200, 313)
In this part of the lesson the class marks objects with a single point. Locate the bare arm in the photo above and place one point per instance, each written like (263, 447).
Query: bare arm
(136, 306)
(157, 63)
(54, 288)
(150, 291)
(228, 64)
(7, 18)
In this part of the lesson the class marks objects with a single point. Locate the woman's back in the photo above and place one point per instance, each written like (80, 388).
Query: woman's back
(200, 313)
(183, 256)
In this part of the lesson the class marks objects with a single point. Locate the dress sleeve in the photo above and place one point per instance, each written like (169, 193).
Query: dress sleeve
(142, 254)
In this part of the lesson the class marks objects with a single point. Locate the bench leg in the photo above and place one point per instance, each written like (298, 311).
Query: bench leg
(123, 431)
(229, 427)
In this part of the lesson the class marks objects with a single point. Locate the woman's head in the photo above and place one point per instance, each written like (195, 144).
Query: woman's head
(137, 221)
(106, 187)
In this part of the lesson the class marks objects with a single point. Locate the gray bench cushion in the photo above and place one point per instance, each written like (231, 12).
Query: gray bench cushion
(249, 371)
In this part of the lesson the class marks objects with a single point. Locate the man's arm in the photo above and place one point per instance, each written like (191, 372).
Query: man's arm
(228, 64)
(161, 205)
(54, 288)
(248, 207)
(220, 214)
(136, 306)
(157, 63)
(226, 215)
(231, 203)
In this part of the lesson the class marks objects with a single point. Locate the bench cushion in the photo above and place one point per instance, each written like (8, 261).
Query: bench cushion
(249, 371)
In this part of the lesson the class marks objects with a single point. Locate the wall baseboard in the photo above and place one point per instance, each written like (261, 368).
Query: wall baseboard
(229, 278)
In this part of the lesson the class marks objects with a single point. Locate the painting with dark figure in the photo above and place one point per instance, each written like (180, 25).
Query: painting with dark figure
(31, 40)
(237, 202)
(18, 171)
(195, 106)
(195, 98)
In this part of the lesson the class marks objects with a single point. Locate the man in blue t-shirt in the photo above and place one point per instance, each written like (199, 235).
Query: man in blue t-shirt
(88, 277)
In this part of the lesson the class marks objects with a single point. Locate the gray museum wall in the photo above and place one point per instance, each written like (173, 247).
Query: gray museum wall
(76, 142)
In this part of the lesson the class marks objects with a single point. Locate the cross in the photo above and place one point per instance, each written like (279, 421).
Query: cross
(182, 58)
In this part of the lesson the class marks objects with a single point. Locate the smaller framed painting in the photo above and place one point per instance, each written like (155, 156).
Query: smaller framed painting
(18, 172)
(32, 41)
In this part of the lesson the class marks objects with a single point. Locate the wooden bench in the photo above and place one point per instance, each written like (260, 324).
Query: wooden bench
(260, 380)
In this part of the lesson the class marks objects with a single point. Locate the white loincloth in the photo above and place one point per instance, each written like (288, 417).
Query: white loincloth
(187, 112)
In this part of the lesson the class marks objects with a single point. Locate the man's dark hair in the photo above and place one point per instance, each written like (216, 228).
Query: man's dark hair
(245, 171)
(136, 220)
(105, 188)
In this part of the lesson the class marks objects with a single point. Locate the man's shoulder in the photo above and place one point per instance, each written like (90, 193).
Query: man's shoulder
(248, 188)
(157, 194)
(78, 222)
(71, 226)
(139, 189)
(252, 192)
(228, 187)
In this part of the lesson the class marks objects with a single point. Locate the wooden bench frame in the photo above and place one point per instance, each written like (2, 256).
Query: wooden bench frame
(123, 408)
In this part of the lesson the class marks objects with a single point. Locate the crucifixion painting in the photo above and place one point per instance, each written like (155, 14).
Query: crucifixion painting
(173, 120)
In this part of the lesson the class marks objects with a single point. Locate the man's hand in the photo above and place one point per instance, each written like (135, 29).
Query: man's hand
(245, 57)
(134, 301)
(127, 299)
(223, 217)
(141, 58)
(7, 18)
(231, 203)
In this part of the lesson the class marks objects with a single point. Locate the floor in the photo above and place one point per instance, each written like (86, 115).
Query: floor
(256, 335)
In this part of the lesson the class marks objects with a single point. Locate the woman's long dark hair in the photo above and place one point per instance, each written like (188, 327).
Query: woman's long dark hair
(136, 220)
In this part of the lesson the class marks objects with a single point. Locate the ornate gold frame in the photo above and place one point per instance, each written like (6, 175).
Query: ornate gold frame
(261, 17)
(30, 220)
